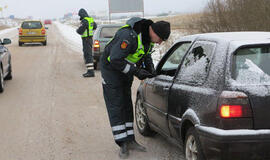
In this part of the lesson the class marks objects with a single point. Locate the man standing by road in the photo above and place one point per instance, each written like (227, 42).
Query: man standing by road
(86, 31)
(126, 55)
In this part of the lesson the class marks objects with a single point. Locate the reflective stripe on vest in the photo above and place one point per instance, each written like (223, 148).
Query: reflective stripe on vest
(135, 57)
(90, 21)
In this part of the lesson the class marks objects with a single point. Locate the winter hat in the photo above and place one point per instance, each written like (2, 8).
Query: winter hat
(162, 29)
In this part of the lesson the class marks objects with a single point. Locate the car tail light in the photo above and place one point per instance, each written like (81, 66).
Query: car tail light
(20, 31)
(43, 31)
(230, 111)
(234, 104)
(96, 45)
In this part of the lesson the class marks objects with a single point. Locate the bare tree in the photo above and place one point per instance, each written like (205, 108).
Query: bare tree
(234, 15)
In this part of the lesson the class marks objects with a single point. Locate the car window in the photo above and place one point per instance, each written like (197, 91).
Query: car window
(31, 25)
(170, 66)
(252, 65)
(108, 32)
(196, 64)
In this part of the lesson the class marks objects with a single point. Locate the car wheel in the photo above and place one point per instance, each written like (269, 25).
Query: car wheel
(1, 81)
(44, 43)
(192, 146)
(20, 43)
(141, 118)
(9, 75)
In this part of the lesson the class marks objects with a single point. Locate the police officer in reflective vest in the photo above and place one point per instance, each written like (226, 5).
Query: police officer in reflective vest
(86, 31)
(128, 54)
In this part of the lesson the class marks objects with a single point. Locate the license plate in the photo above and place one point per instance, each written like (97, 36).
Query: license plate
(31, 32)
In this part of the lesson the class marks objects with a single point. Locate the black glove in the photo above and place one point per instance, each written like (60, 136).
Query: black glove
(142, 74)
(152, 70)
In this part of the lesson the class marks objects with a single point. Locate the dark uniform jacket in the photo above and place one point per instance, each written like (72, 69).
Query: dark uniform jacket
(84, 23)
(112, 72)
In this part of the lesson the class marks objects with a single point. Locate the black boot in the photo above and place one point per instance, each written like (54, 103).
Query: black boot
(124, 153)
(133, 145)
(89, 73)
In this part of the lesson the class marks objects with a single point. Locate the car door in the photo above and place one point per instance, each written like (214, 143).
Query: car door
(189, 89)
(4, 58)
(157, 88)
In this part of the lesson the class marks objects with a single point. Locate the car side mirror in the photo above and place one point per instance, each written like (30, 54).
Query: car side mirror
(46, 27)
(6, 41)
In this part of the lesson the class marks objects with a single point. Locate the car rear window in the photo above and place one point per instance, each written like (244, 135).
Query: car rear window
(31, 25)
(108, 32)
(252, 65)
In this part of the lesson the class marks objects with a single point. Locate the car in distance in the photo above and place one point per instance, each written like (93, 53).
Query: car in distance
(211, 95)
(102, 35)
(5, 63)
(48, 21)
(32, 32)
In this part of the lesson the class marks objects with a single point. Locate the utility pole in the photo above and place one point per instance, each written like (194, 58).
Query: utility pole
(1, 10)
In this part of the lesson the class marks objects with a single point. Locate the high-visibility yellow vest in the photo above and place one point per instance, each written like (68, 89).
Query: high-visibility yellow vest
(135, 57)
(89, 32)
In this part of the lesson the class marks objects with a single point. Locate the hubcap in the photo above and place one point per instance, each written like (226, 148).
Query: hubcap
(191, 148)
(140, 115)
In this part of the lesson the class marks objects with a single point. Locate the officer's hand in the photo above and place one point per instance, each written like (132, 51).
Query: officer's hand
(152, 70)
(142, 74)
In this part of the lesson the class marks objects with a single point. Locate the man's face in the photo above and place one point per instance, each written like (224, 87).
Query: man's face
(154, 37)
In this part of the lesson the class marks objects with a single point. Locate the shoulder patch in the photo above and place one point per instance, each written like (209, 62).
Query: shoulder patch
(124, 44)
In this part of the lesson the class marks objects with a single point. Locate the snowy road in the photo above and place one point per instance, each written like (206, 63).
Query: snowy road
(49, 112)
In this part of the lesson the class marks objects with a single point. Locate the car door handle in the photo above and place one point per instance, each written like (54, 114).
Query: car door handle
(166, 88)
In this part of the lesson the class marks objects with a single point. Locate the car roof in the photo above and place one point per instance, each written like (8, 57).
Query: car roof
(230, 36)
(31, 21)
(110, 25)
(235, 39)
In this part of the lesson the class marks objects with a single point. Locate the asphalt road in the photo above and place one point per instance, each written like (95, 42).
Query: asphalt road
(49, 112)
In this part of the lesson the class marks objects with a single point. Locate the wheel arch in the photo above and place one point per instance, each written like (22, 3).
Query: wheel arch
(189, 119)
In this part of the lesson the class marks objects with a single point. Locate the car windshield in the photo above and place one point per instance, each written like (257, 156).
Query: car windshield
(252, 65)
(31, 25)
(108, 32)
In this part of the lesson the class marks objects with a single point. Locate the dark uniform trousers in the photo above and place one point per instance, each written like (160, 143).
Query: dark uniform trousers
(120, 109)
(87, 52)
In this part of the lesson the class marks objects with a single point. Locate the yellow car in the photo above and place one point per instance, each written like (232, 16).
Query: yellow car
(32, 32)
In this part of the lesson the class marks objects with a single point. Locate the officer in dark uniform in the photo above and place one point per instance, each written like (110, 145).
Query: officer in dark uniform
(86, 31)
(128, 54)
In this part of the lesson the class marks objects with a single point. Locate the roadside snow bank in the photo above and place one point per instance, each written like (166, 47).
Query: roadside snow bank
(72, 38)
(4, 31)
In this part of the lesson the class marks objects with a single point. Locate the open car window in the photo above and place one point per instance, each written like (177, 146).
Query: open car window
(174, 59)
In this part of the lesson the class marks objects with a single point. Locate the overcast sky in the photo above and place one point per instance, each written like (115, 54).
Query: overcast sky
(57, 8)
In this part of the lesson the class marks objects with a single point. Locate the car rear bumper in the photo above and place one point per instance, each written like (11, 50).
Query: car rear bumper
(234, 144)
(29, 39)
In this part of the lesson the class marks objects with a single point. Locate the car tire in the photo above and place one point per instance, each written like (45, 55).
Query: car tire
(44, 43)
(192, 146)
(20, 43)
(1, 80)
(141, 119)
(9, 75)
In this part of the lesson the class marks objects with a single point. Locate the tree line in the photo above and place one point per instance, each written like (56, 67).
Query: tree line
(234, 15)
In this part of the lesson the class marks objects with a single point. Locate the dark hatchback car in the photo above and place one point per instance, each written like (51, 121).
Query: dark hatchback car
(212, 96)
(5, 63)
(103, 34)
